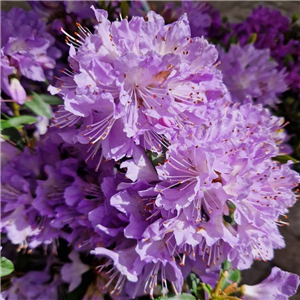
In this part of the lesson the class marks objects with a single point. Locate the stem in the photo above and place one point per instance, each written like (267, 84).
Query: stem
(232, 288)
(15, 108)
(8, 140)
(226, 298)
(218, 286)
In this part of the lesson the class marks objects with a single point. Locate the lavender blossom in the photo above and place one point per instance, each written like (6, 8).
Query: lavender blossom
(27, 51)
(214, 201)
(44, 198)
(48, 9)
(204, 20)
(250, 72)
(34, 285)
(269, 25)
(273, 31)
(203, 17)
(137, 80)
(57, 14)
(71, 272)
(279, 285)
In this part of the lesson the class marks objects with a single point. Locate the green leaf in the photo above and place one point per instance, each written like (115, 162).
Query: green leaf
(13, 135)
(197, 287)
(124, 9)
(7, 267)
(52, 100)
(288, 59)
(233, 275)
(226, 265)
(102, 4)
(4, 124)
(156, 158)
(19, 121)
(295, 18)
(233, 40)
(206, 287)
(285, 158)
(193, 282)
(252, 38)
(37, 105)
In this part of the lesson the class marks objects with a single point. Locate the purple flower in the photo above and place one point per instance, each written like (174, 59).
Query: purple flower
(18, 216)
(250, 72)
(27, 51)
(58, 14)
(214, 200)
(33, 285)
(204, 19)
(48, 9)
(227, 165)
(269, 25)
(272, 31)
(137, 80)
(44, 197)
(71, 272)
(279, 285)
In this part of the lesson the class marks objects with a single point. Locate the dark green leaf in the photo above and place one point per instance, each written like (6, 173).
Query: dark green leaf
(19, 121)
(288, 59)
(233, 40)
(295, 18)
(4, 116)
(156, 158)
(252, 38)
(193, 282)
(37, 105)
(233, 275)
(285, 158)
(52, 100)
(4, 124)
(197, 287)
(13, 135)
(7, 267)
(102, 4)
(206, 287)
(226, 265)
(124, 9)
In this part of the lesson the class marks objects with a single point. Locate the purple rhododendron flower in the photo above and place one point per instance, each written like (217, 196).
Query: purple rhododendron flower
(227, 163)
(71, 272)
(27, 51)
(157, 164)
(53, 201)
(250, 72)
(66, 14)
(48, 9)
(138, 80)
(271, 29)
(203, 17)
(222, 166)
(279, 285)
(34, 285)
(268, 23)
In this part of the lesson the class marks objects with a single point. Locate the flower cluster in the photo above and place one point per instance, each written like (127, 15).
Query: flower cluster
(250, 72)
(157, 165)
(138, 81)
(272, 31)
(27, 52)
(204, 19)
